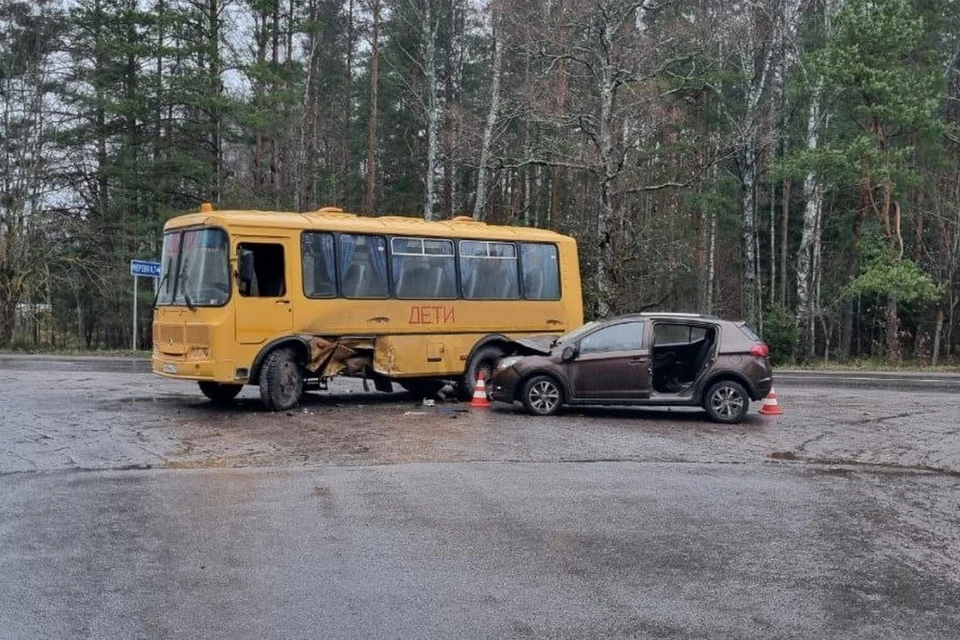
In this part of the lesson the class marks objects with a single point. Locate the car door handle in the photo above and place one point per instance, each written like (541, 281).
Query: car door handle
(283, 302)
(636, 361)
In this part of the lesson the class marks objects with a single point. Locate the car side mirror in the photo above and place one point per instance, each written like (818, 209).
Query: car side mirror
(568, 354)
(245, 271)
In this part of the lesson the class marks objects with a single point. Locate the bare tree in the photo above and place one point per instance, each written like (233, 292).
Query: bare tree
(492, 112)
(429, 26)
(27, 125)
(369, 194)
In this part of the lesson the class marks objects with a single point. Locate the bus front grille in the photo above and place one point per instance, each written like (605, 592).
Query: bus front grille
(169, 338)
(198, 335)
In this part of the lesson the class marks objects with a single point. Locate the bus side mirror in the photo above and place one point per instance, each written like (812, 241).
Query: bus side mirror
(568, 354)
(245, 271)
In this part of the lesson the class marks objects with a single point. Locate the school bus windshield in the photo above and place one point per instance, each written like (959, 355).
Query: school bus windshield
(194, 269)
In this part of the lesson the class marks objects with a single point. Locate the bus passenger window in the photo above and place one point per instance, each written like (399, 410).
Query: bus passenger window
(268, 279)
(423, 268)
(489, 270)
(319, 273)
(541, 271)
(363, 266)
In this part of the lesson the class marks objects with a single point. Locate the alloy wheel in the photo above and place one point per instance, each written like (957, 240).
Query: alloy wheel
(544, 396)
(727, 402)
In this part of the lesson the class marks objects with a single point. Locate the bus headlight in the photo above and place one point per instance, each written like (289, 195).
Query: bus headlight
(508, 362)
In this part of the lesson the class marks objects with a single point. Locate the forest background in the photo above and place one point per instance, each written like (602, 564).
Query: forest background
(795, 163)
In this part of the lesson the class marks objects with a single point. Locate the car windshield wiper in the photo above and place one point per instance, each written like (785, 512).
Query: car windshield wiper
(183, 286)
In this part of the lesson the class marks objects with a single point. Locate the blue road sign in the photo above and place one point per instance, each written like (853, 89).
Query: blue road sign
(145, 268)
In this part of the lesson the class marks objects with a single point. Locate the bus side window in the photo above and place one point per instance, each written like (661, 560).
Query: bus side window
(541, 271)
(268, 280)
(363, 266)
(319, 277)
(423, 268)
(489, 270)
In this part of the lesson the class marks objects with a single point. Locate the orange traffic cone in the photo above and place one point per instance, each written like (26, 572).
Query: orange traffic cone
(770, 406)
(479, 400)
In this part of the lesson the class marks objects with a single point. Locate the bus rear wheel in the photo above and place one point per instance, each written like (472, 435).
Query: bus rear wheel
(484, 360)
(281, 381)
(219, 393)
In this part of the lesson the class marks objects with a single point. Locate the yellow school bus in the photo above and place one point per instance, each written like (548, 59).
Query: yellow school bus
(286, 301)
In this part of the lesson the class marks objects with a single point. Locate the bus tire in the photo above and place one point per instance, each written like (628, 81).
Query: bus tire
(281, 381)
(485, 359)
(219, 393)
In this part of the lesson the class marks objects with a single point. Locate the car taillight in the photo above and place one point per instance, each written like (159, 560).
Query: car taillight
(760, 349)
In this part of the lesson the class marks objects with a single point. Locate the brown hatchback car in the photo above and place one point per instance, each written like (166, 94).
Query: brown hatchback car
(661, 359)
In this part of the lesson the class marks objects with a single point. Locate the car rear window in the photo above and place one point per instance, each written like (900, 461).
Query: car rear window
(750, 333)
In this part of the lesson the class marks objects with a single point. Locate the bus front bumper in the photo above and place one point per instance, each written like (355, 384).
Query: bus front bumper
(182, 369)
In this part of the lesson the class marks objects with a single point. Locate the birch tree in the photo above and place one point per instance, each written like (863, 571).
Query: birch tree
(755, 52)
(810, 237)
(429, 27)
(492, 111)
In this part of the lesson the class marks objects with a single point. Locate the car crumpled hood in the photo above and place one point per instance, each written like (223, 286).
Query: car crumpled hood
(539, 345)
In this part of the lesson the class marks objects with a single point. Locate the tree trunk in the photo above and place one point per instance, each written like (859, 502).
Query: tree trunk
(8, 311)
(216, 90)
(813, 195)
(711, 261)
(308, 151)
(347, 112)
(434, 113)
(558, 172)
(369, 195)
(748, 155)
(606, 220)
(784, 230)
(748, 204)
(937, 337)
(892, 330)
(788, 58)
(492, 113)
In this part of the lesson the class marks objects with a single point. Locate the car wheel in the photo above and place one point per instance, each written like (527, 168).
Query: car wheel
(220, 393)
(727, 402)
(542, 396)
(485, 360)
(281, 381)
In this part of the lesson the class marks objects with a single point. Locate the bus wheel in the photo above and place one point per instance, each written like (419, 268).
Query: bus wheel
(220, 393)
(485, 360)
(281, 381)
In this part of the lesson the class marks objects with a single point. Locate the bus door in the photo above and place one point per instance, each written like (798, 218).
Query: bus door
(262, 304)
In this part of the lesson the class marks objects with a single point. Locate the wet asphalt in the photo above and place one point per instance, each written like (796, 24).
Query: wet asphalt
(132, 508)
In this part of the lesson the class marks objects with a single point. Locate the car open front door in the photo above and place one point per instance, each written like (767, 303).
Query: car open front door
(612, 363)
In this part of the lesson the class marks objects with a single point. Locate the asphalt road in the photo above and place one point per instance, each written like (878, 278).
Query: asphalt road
(132, 508)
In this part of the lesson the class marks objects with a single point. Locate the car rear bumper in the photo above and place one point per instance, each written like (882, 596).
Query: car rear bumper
(762, 387)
